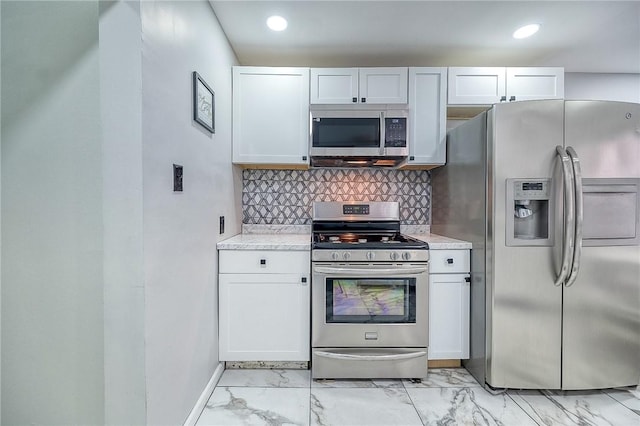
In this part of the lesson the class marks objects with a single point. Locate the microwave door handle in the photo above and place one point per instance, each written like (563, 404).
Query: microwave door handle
(569, 216)
(369, 272)
(383, 131)
(578, 199)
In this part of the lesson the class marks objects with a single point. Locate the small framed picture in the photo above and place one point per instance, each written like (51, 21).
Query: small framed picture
(203, 103)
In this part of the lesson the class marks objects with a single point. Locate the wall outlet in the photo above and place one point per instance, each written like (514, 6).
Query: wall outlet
(177, 178)
(222, 224)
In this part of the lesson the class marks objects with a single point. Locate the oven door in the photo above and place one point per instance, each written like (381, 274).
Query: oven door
(370, 305)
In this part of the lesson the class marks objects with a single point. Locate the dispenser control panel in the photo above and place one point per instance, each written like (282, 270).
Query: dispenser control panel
(531, 190)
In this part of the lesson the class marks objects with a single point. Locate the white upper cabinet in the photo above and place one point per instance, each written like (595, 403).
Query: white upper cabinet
(270, 115)
(383, 85)
(359, 85)
(427, 116)
(476, 85)
(334, 85)
(527, 83)
(490, 85)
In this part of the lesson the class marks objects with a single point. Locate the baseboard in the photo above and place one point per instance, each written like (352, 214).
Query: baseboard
(204, 397)
(444, 363)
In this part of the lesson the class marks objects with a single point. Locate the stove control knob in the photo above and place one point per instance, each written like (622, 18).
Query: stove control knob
(346, 255)
(335, 256)
(371, 255)
(406, 255)
(394, 255)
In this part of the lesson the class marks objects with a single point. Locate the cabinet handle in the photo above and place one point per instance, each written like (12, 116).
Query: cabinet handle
(467, 279)
(449, 261)
(304, 158)
(354, 100)
(511, 99)
(503, 99)
(411, 158)
(363, 100)
(263, 261)
(303, 280)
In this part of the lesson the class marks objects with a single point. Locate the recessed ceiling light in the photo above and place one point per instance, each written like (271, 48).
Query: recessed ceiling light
(277, 23)
(526, 31)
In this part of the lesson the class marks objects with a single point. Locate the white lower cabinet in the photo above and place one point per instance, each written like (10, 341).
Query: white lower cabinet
(449, 291)
(264, 305)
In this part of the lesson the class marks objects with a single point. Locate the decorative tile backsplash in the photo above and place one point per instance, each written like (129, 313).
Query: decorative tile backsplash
(286, 196)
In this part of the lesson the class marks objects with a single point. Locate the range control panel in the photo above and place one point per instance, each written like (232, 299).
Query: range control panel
(355, 209)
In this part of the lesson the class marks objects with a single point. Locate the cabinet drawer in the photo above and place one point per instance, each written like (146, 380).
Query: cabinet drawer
(264, 262)
(449, 261)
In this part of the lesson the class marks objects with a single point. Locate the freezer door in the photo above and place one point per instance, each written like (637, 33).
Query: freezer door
(524, 307)
(601, 310)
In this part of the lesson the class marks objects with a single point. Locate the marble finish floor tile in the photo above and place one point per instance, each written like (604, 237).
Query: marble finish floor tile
(630, 398)
(374, 383)
(448, 396)
(362, 407)
(574, 408)
(266, 378)
(256, 406)
(466, 406)
(445, 378)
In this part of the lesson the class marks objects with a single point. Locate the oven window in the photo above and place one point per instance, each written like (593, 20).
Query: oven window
(346, 133)
(371, 300)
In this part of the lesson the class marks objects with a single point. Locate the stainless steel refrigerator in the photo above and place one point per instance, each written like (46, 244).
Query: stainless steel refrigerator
(548, 194)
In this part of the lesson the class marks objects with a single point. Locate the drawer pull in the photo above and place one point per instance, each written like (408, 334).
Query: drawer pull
(303, 280)
(450, 261)
(467, 279)
(263, 262)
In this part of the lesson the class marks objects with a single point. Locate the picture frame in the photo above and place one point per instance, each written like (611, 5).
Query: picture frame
(203, 103)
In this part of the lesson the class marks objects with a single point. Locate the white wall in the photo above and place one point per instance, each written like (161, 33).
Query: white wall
(181, 229)
(604, 87)
(121, 113)
(52, 285)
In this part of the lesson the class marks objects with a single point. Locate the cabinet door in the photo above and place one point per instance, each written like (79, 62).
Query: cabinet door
(448, 316)
(427, 115)
(476, 85)
(334, 85)
(264, 317)
(270, 115)
(531, 83)
(383, 85)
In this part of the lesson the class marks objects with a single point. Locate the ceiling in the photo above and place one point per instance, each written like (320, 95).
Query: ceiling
(581, 36)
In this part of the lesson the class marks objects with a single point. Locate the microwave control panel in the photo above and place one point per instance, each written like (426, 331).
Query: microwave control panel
(395, 132)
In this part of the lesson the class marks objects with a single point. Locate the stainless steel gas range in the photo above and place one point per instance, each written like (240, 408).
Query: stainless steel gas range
(369, 293)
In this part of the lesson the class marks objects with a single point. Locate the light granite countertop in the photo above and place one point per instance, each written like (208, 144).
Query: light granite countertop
(266, 242)
(284, 241)
(438, 242)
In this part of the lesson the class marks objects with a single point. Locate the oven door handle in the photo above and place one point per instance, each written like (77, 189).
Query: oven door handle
(370, 271)
(353, 357)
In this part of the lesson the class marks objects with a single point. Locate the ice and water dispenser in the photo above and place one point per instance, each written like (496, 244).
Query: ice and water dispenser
(529, 212)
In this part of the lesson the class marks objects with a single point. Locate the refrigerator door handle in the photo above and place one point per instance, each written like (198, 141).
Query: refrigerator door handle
(577, 244)
(569, 216)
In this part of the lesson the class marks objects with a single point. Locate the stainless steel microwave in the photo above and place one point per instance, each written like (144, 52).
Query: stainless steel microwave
(359, 133)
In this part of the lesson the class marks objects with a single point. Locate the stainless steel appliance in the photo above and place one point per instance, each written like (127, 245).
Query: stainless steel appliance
(548, 193)
(368, 136)
(368, 293)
